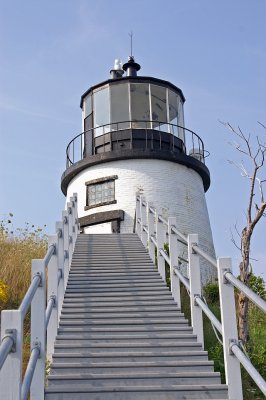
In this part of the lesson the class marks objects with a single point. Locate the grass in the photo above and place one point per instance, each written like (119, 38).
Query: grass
(17, 249)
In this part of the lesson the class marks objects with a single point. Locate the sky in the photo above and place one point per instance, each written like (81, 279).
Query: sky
(51, 52)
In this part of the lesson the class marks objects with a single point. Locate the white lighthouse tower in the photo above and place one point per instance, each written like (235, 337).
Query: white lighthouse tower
(134, 140)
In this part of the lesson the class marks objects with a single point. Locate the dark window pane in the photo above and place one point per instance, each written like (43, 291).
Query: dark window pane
(101, 111)
(140, 105)
(119, 106)
(159, 107)
(87, 106)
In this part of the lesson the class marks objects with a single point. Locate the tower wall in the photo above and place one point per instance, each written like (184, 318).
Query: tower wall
(174, 189)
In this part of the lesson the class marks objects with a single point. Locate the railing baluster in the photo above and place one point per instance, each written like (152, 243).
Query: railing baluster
(138, 217)
(160, 245)
(229, 327)
(70, 230)
(60, 266)
(38, 331)
(143, 218)
(151, 231)
(173, 254)
(66, 246)
(10, 375)
(52, 292)
(195, 288)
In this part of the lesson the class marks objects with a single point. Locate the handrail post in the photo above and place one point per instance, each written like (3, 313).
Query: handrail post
(11, 374)
(74, 230)
(151, 232)
(70, 230)
(52, 292)
(173, 254)
(138, 216)
(75, 213)
(143, 218)
(38, 331)
(228, 317)
(60, 265)
(160, 246)
(66, 246)
(195, 287)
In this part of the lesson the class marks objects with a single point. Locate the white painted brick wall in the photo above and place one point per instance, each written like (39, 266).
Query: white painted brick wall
(173, 188)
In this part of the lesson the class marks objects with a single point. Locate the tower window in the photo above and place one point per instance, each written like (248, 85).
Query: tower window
(100, 192)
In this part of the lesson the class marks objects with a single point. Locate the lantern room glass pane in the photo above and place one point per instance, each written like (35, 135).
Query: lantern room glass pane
(119, 106)
(173, 100)
(87, 105)
(159, 108)
(101, 111)
(140, 105)
(181, 122)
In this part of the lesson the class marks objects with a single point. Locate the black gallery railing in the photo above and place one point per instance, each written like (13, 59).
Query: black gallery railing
(143, 135)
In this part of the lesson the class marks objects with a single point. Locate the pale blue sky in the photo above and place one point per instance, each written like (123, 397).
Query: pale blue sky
(53, 51)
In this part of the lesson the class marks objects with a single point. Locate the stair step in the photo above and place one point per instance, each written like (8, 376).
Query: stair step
(86, 380)
(111, 336)
(136, 356)
(140, 366)
(154, 392)
(127, 329)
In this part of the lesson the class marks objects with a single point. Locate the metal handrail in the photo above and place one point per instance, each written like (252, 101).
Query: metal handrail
(245, 289)
(209, 314)
(49, 253)
(27, 299)
(183, 237)
(5, 348)
(163, 220)
(25, 389)
(255, 375)
(119, 126)
(182, 278)
(165, 256)
(49, 309)
(206, 256)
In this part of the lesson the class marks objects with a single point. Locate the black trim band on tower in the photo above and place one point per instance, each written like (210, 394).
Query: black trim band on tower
(125, 154)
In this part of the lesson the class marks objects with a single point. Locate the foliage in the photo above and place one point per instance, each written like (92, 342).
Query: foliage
(257, 284)
(17, 248)
(211, 292)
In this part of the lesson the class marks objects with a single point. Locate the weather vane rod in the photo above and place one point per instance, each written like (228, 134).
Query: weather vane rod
(131, 43)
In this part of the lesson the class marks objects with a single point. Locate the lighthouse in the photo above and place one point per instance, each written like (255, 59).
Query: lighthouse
(134, 140)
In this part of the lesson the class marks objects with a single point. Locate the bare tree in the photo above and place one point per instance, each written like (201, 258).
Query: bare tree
(253, 150)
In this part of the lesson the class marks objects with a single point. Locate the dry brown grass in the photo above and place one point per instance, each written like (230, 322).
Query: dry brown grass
(16, 252)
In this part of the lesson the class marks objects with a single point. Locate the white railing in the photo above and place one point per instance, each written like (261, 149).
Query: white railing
(45, 296)
(154, 231)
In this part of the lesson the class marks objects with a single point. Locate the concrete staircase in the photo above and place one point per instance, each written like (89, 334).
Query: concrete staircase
(121, 335)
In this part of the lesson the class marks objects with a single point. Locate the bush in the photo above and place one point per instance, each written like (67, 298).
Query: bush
(211, 292)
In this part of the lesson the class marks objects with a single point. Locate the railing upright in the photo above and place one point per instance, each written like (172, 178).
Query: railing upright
(70, 230)
(52, 297)
(151, 231)
(60, 263)
(173, 254)
(75, 213)
(66, 246)
(229, 328)
(143, 221)
(160, 233)
(11, 372)
(138, 229)
(195, 287)
(38, 335)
